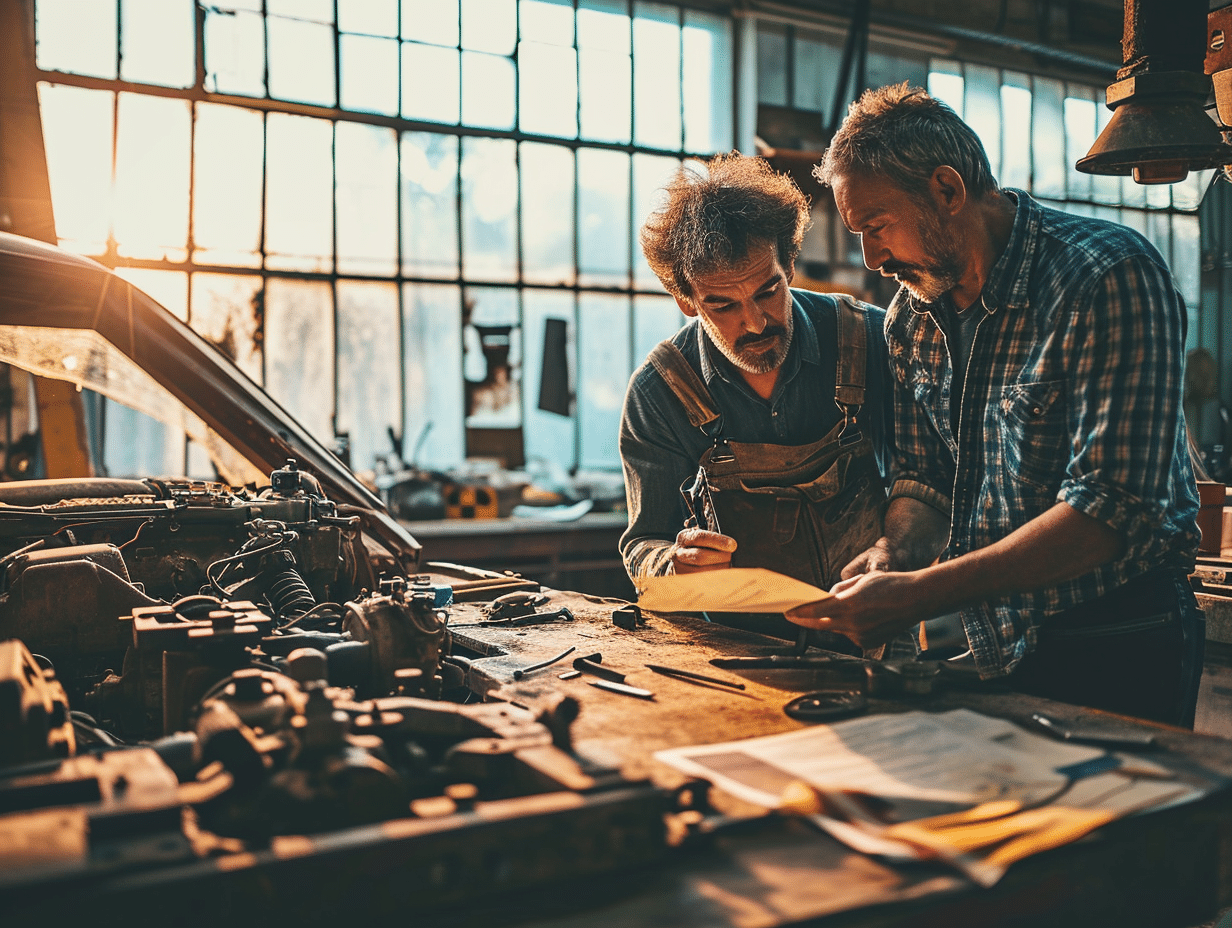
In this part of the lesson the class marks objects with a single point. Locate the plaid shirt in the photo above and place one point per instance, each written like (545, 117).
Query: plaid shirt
(1072, 394)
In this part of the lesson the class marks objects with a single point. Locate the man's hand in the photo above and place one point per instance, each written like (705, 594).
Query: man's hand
(914, 535)
(877, 557)
(697, 550)
(870, 609)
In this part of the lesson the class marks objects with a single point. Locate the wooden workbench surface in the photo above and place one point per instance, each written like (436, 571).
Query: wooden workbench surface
(1172, 867)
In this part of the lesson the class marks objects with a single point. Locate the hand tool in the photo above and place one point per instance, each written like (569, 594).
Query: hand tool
(591, 665)
(1099, 737)
(622, 688)
(535, 618)
(690, 675)
(523, 671)
(697, 498)
(787, 661)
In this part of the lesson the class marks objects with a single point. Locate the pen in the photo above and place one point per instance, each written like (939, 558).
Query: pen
(690, 675)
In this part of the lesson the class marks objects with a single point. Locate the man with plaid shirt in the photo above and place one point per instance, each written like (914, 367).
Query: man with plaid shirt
(1043, 485)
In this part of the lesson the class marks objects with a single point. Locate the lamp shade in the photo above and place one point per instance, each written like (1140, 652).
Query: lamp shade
(1159, 138)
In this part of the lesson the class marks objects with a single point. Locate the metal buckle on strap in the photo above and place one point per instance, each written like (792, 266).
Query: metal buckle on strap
(720, 451)
(851, 432)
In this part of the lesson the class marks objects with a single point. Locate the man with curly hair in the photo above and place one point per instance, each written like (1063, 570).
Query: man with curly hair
(1043, 486)
(780, 395)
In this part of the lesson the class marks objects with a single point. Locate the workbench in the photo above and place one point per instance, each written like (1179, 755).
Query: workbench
(1168, 867)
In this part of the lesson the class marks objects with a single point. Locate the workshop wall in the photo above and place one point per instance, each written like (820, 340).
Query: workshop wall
(377, 214)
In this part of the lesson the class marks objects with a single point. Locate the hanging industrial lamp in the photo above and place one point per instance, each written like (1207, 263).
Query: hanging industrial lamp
(1160, 130)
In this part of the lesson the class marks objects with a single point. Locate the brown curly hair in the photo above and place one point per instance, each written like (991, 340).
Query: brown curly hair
(712, 219)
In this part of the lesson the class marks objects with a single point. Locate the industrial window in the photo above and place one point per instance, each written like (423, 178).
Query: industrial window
(1036, 128)
(1033, 127)
(378, 207)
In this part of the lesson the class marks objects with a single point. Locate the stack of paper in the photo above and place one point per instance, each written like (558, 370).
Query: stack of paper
(1006, 793)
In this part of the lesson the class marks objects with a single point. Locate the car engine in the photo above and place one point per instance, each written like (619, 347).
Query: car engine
(195, 678)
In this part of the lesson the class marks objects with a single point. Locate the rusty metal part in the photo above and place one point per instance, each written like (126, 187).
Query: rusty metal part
(628, 617)
(404, 631)
(512, 605)
(563, 614)
(34, 715)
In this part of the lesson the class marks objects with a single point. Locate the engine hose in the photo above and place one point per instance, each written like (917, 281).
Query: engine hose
(289, 594)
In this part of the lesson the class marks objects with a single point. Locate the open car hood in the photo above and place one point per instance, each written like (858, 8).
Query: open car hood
(44, 286)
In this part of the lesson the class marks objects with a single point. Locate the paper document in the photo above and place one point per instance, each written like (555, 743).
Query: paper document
(1012, 793)
(944, 757)
(737, 589)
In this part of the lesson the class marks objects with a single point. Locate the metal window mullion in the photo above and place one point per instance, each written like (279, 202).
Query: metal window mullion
(789, 66)
(457, 174)
(112, 254)
(265, 71)
(632, 141)
(333, 282)
(680, 83)
(1001, 124)
(192, 193)
(338, 60)
(399, 238)
(261, 245)
(199, 46)
(1031, 137)
(519, 251)
(577, 252)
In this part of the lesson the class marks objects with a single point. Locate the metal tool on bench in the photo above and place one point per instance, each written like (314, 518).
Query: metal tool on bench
(591, 664)
(480, 585)
(523, 671)
(515, 610)
(563, 614)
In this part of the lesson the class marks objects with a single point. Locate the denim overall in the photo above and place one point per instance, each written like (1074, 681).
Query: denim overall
(801, 510)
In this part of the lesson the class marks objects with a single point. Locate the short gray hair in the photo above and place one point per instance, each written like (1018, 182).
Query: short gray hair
(901, 133)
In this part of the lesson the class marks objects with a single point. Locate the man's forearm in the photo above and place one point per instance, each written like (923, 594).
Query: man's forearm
(915, 533)
(1058, 545)
(874, 606)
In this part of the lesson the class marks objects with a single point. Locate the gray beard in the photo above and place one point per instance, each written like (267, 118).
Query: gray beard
(750, 362)
(929, 286)
(929, 282)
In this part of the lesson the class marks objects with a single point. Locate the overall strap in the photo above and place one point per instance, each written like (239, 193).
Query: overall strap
(850, 369)
(685, 382)
(852, 352)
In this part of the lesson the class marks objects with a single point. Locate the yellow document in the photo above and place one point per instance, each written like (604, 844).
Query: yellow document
(737, 589)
